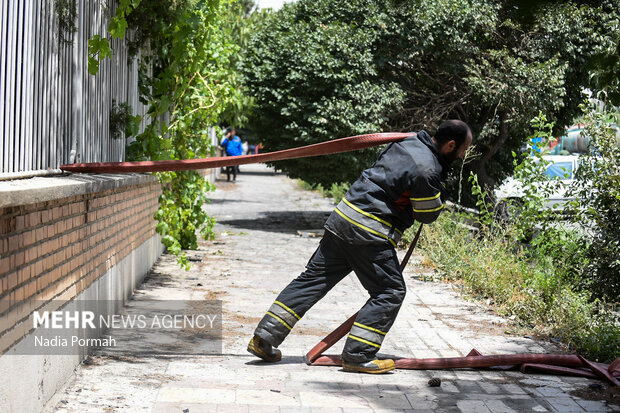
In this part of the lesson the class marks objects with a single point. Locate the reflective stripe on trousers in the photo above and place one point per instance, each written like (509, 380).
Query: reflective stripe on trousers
(377, 268)
(366, 334)
(283, 314)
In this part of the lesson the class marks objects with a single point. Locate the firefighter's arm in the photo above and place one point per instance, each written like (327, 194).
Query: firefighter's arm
(426, 199)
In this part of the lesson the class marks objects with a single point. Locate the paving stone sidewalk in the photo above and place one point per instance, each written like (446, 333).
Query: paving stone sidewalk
(267, 230)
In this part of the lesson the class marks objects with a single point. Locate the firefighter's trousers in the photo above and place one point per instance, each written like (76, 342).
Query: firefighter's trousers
(378, 270)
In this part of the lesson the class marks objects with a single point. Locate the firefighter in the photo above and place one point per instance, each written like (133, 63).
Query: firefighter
(404, 184)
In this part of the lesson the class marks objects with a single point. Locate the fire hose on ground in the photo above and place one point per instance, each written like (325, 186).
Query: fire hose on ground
(569, 365)
(572, 365)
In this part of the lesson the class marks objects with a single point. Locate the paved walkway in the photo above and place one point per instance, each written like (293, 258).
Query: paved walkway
(266, 232)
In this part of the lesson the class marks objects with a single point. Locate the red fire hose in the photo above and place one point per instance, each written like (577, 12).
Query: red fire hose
(324, 148)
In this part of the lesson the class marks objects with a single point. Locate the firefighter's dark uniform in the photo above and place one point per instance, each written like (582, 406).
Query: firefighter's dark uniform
(361, 233)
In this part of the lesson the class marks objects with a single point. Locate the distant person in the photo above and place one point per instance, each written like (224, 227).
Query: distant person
(232, 147)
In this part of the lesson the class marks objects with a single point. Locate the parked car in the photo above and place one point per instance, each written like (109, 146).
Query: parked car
(560, 167)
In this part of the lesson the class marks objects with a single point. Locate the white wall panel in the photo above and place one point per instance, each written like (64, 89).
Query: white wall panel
(49, 103)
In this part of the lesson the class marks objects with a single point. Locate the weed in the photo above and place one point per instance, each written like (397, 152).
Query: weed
(336, 191)
(522, 284)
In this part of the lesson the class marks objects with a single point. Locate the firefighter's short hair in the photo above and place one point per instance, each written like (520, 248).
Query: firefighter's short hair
(452, 130)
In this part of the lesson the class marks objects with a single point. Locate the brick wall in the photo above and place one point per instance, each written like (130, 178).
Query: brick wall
(58, 248)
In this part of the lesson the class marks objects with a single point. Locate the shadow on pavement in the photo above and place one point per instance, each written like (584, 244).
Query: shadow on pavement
(285, 360)
(282, 221)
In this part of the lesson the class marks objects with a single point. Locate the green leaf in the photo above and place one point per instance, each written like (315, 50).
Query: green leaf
(93, 65)
(117, 27)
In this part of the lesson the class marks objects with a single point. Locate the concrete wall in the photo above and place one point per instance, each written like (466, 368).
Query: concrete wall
(66, 238)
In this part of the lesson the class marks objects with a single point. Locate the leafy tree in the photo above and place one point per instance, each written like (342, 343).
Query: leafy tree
(242, 21)
(326, 69)
(312, 70)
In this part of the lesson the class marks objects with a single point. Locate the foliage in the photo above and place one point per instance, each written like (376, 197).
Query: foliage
(336, 191)
(189, 88)
(490, 267)
(606, 66)
(588, 229)
(548, 230)
(534, 183)
(242, 21)
(326, 69)
(99, 47)
(122, 123)
(557, 273)
(180, 214)
(66, 12)
(485, 213)
(187, 80)
(315, 78)
(596, 192)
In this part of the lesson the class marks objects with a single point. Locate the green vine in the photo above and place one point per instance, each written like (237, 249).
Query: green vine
(188, 81)
(99, 47)
(66, 12)
(122, 123)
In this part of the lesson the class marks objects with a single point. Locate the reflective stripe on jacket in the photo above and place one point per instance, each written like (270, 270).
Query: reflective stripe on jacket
(405, 183)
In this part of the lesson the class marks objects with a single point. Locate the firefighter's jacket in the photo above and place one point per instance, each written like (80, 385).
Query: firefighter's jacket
(403, 185)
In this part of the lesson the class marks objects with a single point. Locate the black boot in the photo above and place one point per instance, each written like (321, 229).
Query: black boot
(263, 350)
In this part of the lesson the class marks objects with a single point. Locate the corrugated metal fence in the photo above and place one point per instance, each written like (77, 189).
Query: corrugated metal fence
(52, 110)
